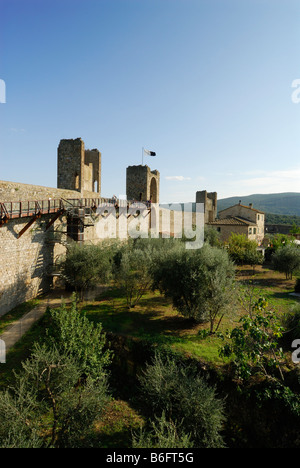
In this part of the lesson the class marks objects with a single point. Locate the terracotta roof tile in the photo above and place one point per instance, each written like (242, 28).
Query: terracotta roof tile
(233, 221)
(243, 206)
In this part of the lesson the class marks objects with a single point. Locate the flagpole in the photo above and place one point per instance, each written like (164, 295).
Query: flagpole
(142, 156)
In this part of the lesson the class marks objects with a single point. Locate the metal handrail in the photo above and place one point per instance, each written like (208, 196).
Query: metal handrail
(23, 209)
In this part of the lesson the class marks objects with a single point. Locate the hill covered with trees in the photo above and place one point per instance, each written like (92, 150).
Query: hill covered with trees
(287, 204)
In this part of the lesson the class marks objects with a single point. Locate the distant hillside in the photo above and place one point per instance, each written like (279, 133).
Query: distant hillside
(274, 203)
(282, 219)
(280, 208)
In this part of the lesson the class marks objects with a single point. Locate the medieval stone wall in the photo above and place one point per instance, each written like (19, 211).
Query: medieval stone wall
(70, 164)
(142, 184)
(209, 199)
(92, 158)
(27, 262)
(15, 192)
(77, 168)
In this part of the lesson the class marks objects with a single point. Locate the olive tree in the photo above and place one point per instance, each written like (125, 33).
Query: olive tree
(200, 283)
(131, 273)
(61, 389)
(73, 334)
(243, 251)
(176, 390)
(84, 266)
(162, 434)
(287, 260)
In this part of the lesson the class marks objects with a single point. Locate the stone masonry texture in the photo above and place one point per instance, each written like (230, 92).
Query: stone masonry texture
(77, 168)
(142, 184)
(28, 262)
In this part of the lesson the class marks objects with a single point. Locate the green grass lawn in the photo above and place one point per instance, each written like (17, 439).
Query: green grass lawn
(16, 313)
(117, 425)
(154, 319)
(271, 285)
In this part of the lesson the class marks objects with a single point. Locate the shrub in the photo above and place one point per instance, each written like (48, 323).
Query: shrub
(162, 434)
(291, 323)
(253, 344)
(212, 236)
(200, 282)
(243, 251)
(86, 265)
(61, 389)
(131, 273)
(185, 397)
(287, 260)
(74, 335)
(50, 384)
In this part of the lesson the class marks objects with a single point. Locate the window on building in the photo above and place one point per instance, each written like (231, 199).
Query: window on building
(254, 230)
(250, 230)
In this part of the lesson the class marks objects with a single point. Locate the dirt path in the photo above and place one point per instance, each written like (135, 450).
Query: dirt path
(53, 300)
(15, 331)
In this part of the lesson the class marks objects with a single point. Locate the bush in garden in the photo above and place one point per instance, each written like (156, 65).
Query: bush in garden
(61, 389)
(199, 282)
(185, 398)
(243, 251)
(162, 434)
(84, 266)
(287, 260)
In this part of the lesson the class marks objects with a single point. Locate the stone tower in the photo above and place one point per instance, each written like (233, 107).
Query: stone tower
(142, 184)
(209, 199)
(77, 168)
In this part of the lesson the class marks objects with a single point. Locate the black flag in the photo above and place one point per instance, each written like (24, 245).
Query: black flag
(150, 153)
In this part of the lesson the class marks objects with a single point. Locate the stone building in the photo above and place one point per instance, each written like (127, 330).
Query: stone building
(35, 226)
(37, 222)
(142, 184)
(240, 219)
(77, 168)
(209, 199)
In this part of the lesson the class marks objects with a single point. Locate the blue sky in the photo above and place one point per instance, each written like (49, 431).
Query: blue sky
(206, 84)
